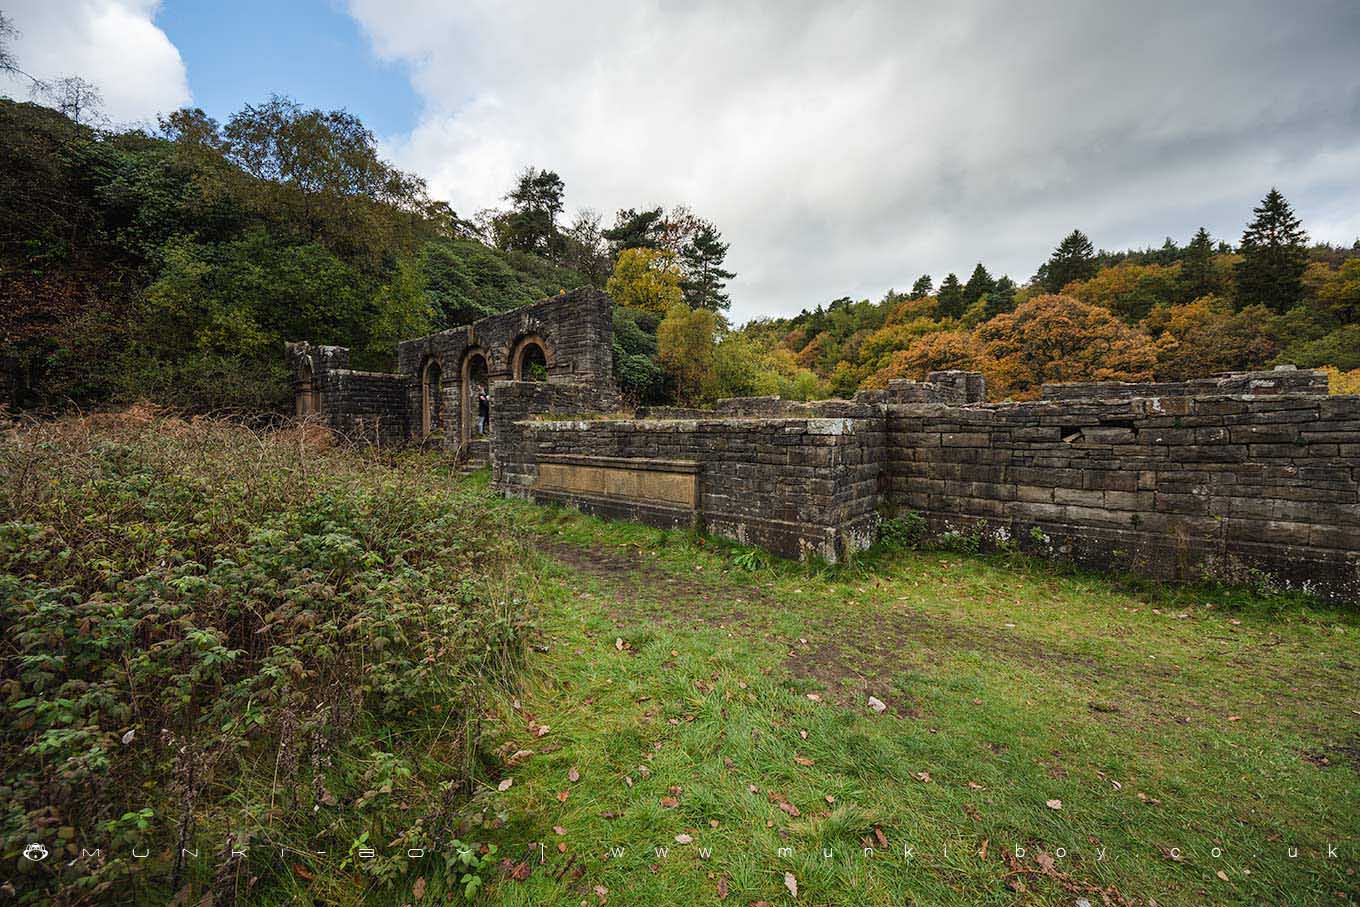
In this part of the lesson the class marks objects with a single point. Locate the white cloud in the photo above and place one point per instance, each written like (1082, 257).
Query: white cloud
(114, 44)
(847, 147)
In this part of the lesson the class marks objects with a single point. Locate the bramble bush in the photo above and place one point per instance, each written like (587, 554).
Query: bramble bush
(216, 639)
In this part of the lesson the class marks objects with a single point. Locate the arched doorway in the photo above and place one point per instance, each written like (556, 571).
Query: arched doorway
(431, 397)
(530, 361)
(474, 382)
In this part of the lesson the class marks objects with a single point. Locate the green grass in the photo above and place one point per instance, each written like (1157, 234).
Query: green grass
(1167, 721)
(395, 632)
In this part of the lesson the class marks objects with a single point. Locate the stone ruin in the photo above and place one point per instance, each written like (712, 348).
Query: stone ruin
(1250, 477)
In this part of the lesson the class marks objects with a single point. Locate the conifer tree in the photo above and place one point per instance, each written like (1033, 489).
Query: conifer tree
(1000, 299)
(1197, 277)
(1074, 259)
(705, 278)
(923, 287)
(980, 283)
(951, 297)
(1274, 256)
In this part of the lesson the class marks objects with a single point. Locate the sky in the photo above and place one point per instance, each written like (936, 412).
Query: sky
(842, 148)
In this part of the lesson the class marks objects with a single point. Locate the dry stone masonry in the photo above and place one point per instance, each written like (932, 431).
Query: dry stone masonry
(1251, 477)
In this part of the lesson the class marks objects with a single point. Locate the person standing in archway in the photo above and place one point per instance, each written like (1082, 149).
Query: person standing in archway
(483, 411)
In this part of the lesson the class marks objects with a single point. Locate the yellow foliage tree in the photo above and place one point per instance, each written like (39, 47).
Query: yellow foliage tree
(1058, 339)
(686, 347)
(647, 279)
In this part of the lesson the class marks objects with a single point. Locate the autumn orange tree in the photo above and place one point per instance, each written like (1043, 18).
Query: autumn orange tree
(1056, 339)
(1207, 336)
(932, 352)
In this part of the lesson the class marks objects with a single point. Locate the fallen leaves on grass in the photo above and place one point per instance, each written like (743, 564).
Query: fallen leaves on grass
(791, 883)
(573, 775)
(684, 839)
(669, 802)
(804, 761)
(1055, 804)
(878, 705)
(505, 785)
(562, 796)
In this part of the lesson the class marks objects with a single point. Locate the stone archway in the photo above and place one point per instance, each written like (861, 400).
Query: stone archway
(474, 378)
(431, 397)
(530, 360)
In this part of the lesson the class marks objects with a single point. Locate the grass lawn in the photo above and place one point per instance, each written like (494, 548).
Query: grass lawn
(701, 732)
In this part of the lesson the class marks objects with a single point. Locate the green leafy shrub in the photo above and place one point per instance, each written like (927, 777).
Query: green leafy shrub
(215, 639)
(899, 533)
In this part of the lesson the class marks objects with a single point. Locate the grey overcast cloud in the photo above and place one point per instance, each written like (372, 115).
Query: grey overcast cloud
(845, 148)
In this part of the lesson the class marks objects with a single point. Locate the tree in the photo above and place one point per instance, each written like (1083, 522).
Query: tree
(531, 223)
(685, 344)
(1274, 256)
(77, 98)
(646, 279)
(1058, 339)
(1129, 290)
(952, 302)
(318, 174)
(1197, 276)
(1206, 336)
(1000, 299)
(922, 287)
(979, 284)
(586, 251)
(634, 230)
(932, 352)
(1074, 259)
(705, 278)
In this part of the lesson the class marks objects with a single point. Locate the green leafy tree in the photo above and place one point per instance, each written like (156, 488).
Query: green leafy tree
(1197, 276)
(980, 283)
(705, 278)
(1000, 299)
(951, 297)
(1274, 256)
(531, 223)
(922, 287)
(1074, 259)
(686, 346)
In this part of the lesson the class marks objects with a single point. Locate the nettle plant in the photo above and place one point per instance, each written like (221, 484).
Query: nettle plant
(210, 632)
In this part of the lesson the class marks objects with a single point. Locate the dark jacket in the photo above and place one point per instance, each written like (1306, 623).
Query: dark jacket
(483, 405)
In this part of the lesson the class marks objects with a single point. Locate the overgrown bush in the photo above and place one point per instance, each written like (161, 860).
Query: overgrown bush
(216, 640)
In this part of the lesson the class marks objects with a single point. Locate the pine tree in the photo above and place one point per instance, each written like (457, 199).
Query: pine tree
(1074, 259)
(1197, 277)
(531, 223)
(951, 297)
(1000, 299)
(921, 289)
(1274, 256)
(978, 286)
(705, 277)
(635, 230)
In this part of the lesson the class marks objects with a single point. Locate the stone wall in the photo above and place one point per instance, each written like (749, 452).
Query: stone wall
(1242, 487)
(1197, 480)
(575, 332)
(800, 486)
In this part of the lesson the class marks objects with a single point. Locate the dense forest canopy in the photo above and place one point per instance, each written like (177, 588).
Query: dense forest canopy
(173, 263)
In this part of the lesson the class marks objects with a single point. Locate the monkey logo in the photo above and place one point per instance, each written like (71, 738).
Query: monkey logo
(35, 852)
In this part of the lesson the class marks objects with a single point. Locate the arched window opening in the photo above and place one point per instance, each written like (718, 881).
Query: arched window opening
(431, 398)
(533, 362)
